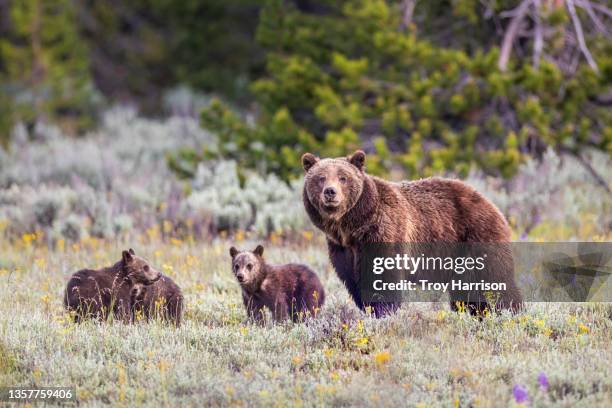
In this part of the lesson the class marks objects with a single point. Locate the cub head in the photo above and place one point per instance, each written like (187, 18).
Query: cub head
(138, 269)
(334, 185)
(247, 265)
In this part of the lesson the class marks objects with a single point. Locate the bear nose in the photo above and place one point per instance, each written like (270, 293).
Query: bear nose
(240, 277)
(329, 192)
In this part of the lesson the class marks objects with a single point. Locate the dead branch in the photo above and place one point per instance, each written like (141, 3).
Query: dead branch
(595, 6)
(407, 13)
(510, 34)
(596, 21)
(603, 99)
(590, 169)
(580, 35)
(538, 42)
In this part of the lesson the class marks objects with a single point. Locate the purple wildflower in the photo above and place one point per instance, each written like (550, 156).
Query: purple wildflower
(543, 381)
(520, 394)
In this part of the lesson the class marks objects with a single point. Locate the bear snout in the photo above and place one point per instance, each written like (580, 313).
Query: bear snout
(331, 198)
(329, 193)
(155, 279)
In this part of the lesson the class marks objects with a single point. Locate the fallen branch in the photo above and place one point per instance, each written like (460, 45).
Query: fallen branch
(585, 163)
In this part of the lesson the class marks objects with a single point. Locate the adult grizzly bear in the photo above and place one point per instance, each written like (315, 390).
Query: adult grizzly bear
(355, 209)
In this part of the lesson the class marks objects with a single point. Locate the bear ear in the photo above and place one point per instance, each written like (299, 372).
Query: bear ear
(132, 251)
(258, 251)
(127, 256)
(309, 160)
(357, 159)
(233, 252)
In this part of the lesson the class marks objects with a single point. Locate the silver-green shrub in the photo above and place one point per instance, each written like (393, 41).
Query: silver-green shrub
(263, 204)
(116, 180)
(556, 189)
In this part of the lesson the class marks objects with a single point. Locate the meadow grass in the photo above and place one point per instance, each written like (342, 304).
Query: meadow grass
(424, 355)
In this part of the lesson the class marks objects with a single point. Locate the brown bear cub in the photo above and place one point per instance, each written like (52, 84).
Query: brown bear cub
(290, 290)
(355, 209)
(162, 299)
(108, 291)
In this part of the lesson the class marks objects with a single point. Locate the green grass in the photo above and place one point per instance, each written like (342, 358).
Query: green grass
(423, 355)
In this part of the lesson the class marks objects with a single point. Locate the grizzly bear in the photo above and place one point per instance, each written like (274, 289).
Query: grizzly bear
(162, 299)
(108, 291)
(290, 290)
(355, 210)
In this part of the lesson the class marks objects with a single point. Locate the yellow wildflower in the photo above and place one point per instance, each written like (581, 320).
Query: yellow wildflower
(382, 358)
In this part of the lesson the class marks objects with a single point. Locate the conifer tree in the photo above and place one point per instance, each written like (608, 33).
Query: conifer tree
(431, 88)
(45, 65)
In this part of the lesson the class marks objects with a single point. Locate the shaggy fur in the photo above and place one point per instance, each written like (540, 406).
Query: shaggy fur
(100, 293)
(163, 299)
(288, 291)
(354, 209)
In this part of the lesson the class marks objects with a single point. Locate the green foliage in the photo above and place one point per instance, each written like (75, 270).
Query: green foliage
(44, 66)
(5, 120)
(53, 52)
(422, 94)
(156, 44)
(211, 44)
(7, 362)
(348, 76)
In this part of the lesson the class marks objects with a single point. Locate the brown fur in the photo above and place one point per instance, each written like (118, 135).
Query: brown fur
(100, 293)
(366, 209)
(288, 291)
(162, 299)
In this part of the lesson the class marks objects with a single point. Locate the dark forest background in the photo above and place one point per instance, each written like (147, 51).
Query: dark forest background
(423, 86)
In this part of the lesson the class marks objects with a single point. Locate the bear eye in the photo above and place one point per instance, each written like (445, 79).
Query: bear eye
(343, 179)
(236, 267)
(321, 179)
(249, 266)
(146, 268)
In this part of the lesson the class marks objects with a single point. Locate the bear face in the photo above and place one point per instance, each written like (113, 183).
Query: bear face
(138, 270)
(334, 185)
(248, 266)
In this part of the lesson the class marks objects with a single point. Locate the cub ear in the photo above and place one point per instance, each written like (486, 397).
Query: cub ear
(132, 251)
(357, 159)
(309, 160)
(258, 251)
(127, 256)
(233, 252)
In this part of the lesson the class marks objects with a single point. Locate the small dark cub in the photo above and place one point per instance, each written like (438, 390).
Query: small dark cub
(163, 299)
(92, 293)
(288, 291)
